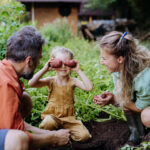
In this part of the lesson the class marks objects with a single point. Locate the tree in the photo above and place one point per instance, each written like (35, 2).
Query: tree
(2, 2)
(96, 4)
(11, 16)
(135, 9)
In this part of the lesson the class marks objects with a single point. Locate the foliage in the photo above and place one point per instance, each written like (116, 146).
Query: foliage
(87, 112)
(88, 56)
(98, 4)
(143, 146)
(137, 9)
(11, 16)
(39, 97)
(58, 31)
(2, 2)
(140, 12)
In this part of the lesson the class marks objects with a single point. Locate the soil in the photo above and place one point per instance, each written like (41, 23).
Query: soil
(110, 135)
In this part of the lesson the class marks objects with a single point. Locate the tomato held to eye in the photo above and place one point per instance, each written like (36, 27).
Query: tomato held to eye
(55, 63)
(70, 63)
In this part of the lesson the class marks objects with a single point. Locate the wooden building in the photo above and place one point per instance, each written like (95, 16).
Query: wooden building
(46, 11)
(88, 15)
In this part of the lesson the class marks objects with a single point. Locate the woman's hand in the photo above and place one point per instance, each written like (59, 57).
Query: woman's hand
(103, 99)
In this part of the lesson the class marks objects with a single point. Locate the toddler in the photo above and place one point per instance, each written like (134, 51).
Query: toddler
(60, 112)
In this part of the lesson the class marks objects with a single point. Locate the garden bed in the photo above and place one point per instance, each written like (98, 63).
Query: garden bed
(108, 135)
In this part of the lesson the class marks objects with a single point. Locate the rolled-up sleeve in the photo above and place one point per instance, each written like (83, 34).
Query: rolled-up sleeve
(10, 117)
(115, 78)
(142, 89)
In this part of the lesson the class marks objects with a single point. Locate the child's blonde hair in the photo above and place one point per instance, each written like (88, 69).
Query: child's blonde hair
(62, 50)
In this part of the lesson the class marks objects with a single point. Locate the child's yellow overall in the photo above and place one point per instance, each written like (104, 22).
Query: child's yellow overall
(59, 112)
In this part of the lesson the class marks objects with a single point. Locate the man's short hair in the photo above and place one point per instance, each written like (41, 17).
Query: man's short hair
(28, 41)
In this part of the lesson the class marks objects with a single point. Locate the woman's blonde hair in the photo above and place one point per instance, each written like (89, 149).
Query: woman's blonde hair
(62, 50)
(136, 58)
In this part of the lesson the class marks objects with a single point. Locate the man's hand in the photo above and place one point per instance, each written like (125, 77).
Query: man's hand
(62, 137)
(103, 99)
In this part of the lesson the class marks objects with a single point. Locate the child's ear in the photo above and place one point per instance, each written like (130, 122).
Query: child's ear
(120, 59)
(29, 61)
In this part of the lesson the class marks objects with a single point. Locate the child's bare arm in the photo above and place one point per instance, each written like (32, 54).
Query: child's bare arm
(36, 81)
(85, 84)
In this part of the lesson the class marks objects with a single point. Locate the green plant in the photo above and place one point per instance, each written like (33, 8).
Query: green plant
(58, 31)
(11, 17)
(99, 3)
(143, 146)
(39, 97)
(88, 112)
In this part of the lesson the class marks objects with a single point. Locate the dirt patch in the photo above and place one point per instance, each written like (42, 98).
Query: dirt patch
(105, 136)
(110, 135)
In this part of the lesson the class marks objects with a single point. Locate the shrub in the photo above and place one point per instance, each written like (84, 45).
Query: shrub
(58, 31)
(11, 16)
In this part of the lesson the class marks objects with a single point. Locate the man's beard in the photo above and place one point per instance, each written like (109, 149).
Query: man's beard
(28, 75)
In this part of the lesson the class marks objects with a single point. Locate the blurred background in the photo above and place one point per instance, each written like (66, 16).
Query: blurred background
(93, 18)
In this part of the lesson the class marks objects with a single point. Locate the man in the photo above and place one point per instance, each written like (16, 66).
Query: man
(24, 50)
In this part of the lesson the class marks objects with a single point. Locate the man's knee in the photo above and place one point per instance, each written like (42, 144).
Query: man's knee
(16, 140)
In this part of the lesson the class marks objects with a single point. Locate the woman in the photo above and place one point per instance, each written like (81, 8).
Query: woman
(129, 64)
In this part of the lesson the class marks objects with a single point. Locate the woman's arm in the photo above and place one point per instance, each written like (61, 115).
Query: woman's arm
(131, 106)
(85, 84)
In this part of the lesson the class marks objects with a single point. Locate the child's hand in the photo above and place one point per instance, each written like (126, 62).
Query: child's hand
(47, 66)
(77, 67)
(103, 99)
